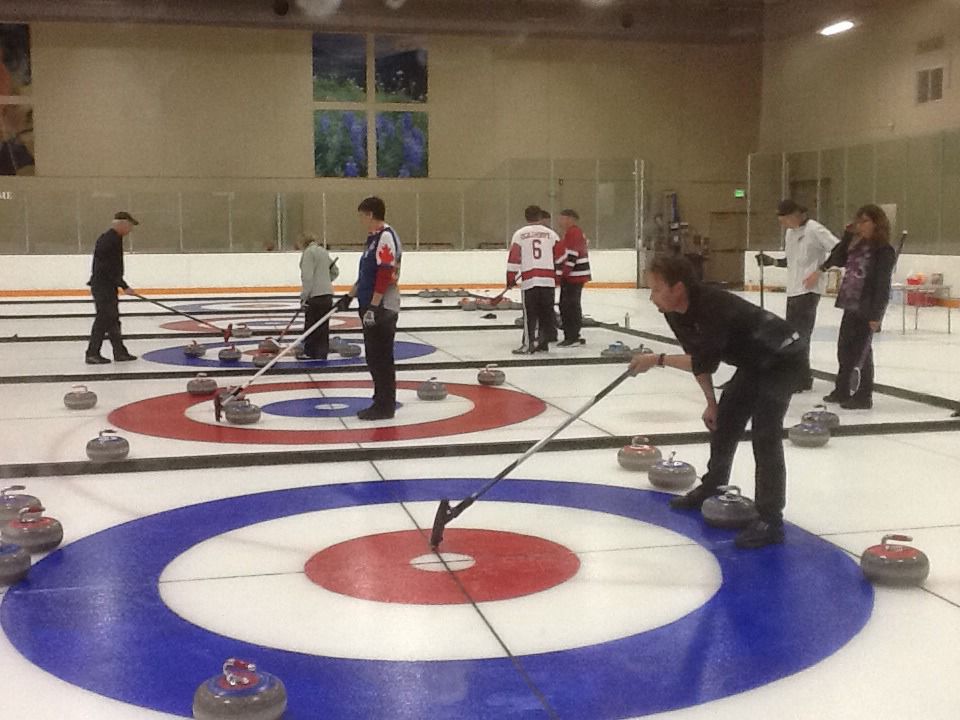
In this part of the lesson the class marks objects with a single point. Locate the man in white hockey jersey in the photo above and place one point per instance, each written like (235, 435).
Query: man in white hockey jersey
(534, 253)
(807, 244)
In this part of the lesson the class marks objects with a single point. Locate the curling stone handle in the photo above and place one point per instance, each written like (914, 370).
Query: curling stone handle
(639, 440)
(232, 665)
(31, 514)
(673, 455)
(731, 490)
(107, 431)
(13, 488)
(80, 387)
(898, 538)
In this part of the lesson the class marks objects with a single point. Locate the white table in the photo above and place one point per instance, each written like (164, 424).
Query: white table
(926, 289)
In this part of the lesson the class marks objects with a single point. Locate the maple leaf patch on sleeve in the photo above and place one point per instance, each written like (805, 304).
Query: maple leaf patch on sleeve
(385, 254)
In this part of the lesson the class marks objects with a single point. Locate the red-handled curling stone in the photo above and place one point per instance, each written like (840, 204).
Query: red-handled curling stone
(491, 375)
(194, 350)
(32, 531)
(729, 510)
(240, 692)
(639, 455)
(893, 564)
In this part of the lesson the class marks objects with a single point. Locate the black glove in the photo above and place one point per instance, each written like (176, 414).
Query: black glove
(765, 260)
(343, 303)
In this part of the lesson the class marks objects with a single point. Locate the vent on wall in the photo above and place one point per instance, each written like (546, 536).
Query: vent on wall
(930, 85)
(930, 45)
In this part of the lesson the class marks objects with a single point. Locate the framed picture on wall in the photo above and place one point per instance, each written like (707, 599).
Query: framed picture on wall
(339, 68)
(340, 143)
(400, 68)
(402, 144)
(15, 72)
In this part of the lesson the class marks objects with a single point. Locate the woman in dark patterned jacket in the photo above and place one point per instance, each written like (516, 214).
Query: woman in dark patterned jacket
(868, 259)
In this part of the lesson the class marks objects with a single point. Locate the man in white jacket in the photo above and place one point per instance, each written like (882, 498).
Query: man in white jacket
(807, 244)
(317, 273)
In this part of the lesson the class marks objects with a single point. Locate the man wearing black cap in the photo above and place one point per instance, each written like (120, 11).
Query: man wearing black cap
(106, 277)
(807, 244)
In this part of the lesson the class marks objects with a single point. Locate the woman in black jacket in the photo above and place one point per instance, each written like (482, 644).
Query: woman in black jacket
(868, 259)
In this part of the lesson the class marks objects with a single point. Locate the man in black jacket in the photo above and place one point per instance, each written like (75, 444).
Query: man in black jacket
(105, 278)
(715, 326)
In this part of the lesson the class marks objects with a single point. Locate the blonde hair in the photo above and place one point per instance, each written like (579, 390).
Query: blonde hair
(306, 238)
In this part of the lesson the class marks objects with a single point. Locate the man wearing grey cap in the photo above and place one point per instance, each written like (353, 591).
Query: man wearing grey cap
(105, 278)
(807, 244)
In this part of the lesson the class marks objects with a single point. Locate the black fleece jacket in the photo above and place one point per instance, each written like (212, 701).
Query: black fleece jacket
(876, 285)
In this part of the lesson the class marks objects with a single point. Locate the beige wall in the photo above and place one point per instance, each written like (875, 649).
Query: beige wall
(859, 86)
(164, 103)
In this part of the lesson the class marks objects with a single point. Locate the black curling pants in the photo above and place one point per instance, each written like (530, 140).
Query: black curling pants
(802, 315)
(571, 313)
(854, 343)
(317, 343)
(106, 324)
(378, 345)
(538, 319)
(760, 397)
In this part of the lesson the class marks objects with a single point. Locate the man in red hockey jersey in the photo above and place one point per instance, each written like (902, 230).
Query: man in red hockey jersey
(574, 274)
(532, 264)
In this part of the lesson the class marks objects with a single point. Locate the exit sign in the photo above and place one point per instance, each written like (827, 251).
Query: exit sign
(739, 193)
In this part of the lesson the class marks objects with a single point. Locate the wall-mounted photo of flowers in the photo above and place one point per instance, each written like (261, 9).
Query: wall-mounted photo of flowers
(402, 144)
(339, 68)
(339, 143)
(400, 69)
(14, 59)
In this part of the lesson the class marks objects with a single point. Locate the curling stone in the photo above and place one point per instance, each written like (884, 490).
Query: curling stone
(261, 359)
(512, 305)
(617, 351)
(890, 564)
(32, 531)
(11, 505)
(423, 294)
(269, 346)
(194, 350)
(462, 293)
(672, 474)
(108, 446)
(14, 564)
(821, 416)
(80, 398)
(337, 342)
(202, 385)
(432, 389)
(730, 510)
(589, 321)
(469, 304)
(241, 411)
(450, 293)
(240, 692)
(491, 375)
(349, 350)
(809, 434)
(230, 354)
(639, 455)
(242, 331)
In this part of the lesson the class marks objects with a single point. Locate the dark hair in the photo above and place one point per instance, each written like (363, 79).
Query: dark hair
(881, 232)
(544, 215)
(374, 206)
(570, 213)
(674, 269)
(533, 213)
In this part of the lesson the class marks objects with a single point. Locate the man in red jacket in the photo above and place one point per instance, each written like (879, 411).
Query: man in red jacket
(574, 265)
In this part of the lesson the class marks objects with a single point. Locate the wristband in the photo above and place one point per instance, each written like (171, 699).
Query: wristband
(660, 359)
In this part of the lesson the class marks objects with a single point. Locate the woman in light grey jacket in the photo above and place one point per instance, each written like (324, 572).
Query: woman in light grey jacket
(317, 273)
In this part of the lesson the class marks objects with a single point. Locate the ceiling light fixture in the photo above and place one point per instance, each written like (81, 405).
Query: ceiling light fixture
(837, 28)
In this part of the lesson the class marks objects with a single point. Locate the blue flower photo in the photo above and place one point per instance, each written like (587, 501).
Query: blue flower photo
(402, 139)
(339, 143)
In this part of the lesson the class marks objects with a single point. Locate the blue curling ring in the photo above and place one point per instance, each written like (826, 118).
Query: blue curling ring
(779, 610)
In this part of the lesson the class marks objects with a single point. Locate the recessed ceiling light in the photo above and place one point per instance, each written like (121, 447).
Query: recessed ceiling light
(837, 28)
